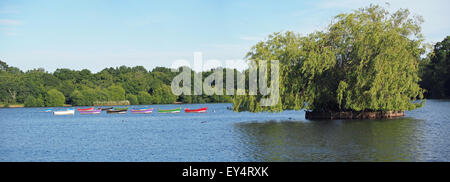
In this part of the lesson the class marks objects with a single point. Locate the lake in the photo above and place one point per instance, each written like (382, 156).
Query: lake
(223, 135)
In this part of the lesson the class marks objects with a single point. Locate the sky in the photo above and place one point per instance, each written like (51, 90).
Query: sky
(96, 34)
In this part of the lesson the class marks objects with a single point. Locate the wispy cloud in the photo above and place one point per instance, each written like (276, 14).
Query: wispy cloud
(10, 33)
(10, 22)
(8, 27)
(8, 10)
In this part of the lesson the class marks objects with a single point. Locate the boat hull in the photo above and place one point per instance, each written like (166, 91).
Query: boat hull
(68, 112)
(91, 112)
(177, 110)
(104, 108)
(201, 110)
(119, 108)
(142, 111)
(116, 111)
(87, 109)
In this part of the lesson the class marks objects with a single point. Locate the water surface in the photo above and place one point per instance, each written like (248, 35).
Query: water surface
(223, 135)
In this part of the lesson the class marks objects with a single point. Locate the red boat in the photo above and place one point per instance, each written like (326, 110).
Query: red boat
(87, 109)
(196, 110)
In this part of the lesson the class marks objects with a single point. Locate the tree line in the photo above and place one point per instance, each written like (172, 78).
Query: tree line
(39, 88)
(435, 71)
(367, 60)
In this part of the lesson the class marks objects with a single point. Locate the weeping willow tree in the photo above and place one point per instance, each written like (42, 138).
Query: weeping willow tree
(366, 60)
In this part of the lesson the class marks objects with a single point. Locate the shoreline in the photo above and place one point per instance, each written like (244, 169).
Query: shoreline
(68, 105)
(12, 106)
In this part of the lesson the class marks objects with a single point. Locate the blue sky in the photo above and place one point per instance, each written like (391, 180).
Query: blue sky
(96, 34)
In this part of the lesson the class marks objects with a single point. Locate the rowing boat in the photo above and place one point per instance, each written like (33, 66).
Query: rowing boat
(86, 109)
(117, 110)
(66, 112)
(142, 108)
(201, 110)
(142, 111)
(104, 108)
(176, 110)
(120, 108)
(91, 112)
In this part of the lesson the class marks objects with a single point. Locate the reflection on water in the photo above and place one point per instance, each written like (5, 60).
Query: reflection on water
(342, 140)
(423, 135)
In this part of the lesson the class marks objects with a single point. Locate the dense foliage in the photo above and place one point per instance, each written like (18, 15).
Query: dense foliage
(436, 72)
(38, 88)
(367, 60)
(54, 98)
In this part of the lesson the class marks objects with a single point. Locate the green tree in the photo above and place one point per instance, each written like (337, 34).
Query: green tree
(163, 95)
(187, 99)
(365, 61)
(54, 98)
(3, 66)
(133, 99)
(66, 87)
(39, 102)
(134, 82)
(436, 72)
(30, 101)
(11, 84)
(144, 98)
(77, 99)
(116, 93)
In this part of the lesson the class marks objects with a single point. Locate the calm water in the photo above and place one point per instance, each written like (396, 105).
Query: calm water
(29, 135)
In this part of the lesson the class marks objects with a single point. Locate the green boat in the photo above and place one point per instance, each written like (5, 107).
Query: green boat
(176, 110)
(120, 108)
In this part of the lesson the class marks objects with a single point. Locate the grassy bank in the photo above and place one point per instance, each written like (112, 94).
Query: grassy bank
(11, 105)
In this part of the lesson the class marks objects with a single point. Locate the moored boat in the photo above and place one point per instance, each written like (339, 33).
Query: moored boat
(176, 110)
(98, 111)
(85, 109)
(47, 110)
(117, 110)
(142, 111)
(120, 108)
(66, 112)
(104, 108)
(201, 110)
(141, 108)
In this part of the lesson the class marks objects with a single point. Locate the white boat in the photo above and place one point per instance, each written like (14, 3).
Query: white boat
(67, 112)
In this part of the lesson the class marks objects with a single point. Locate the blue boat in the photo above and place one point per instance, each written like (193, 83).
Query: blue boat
(141, 108)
